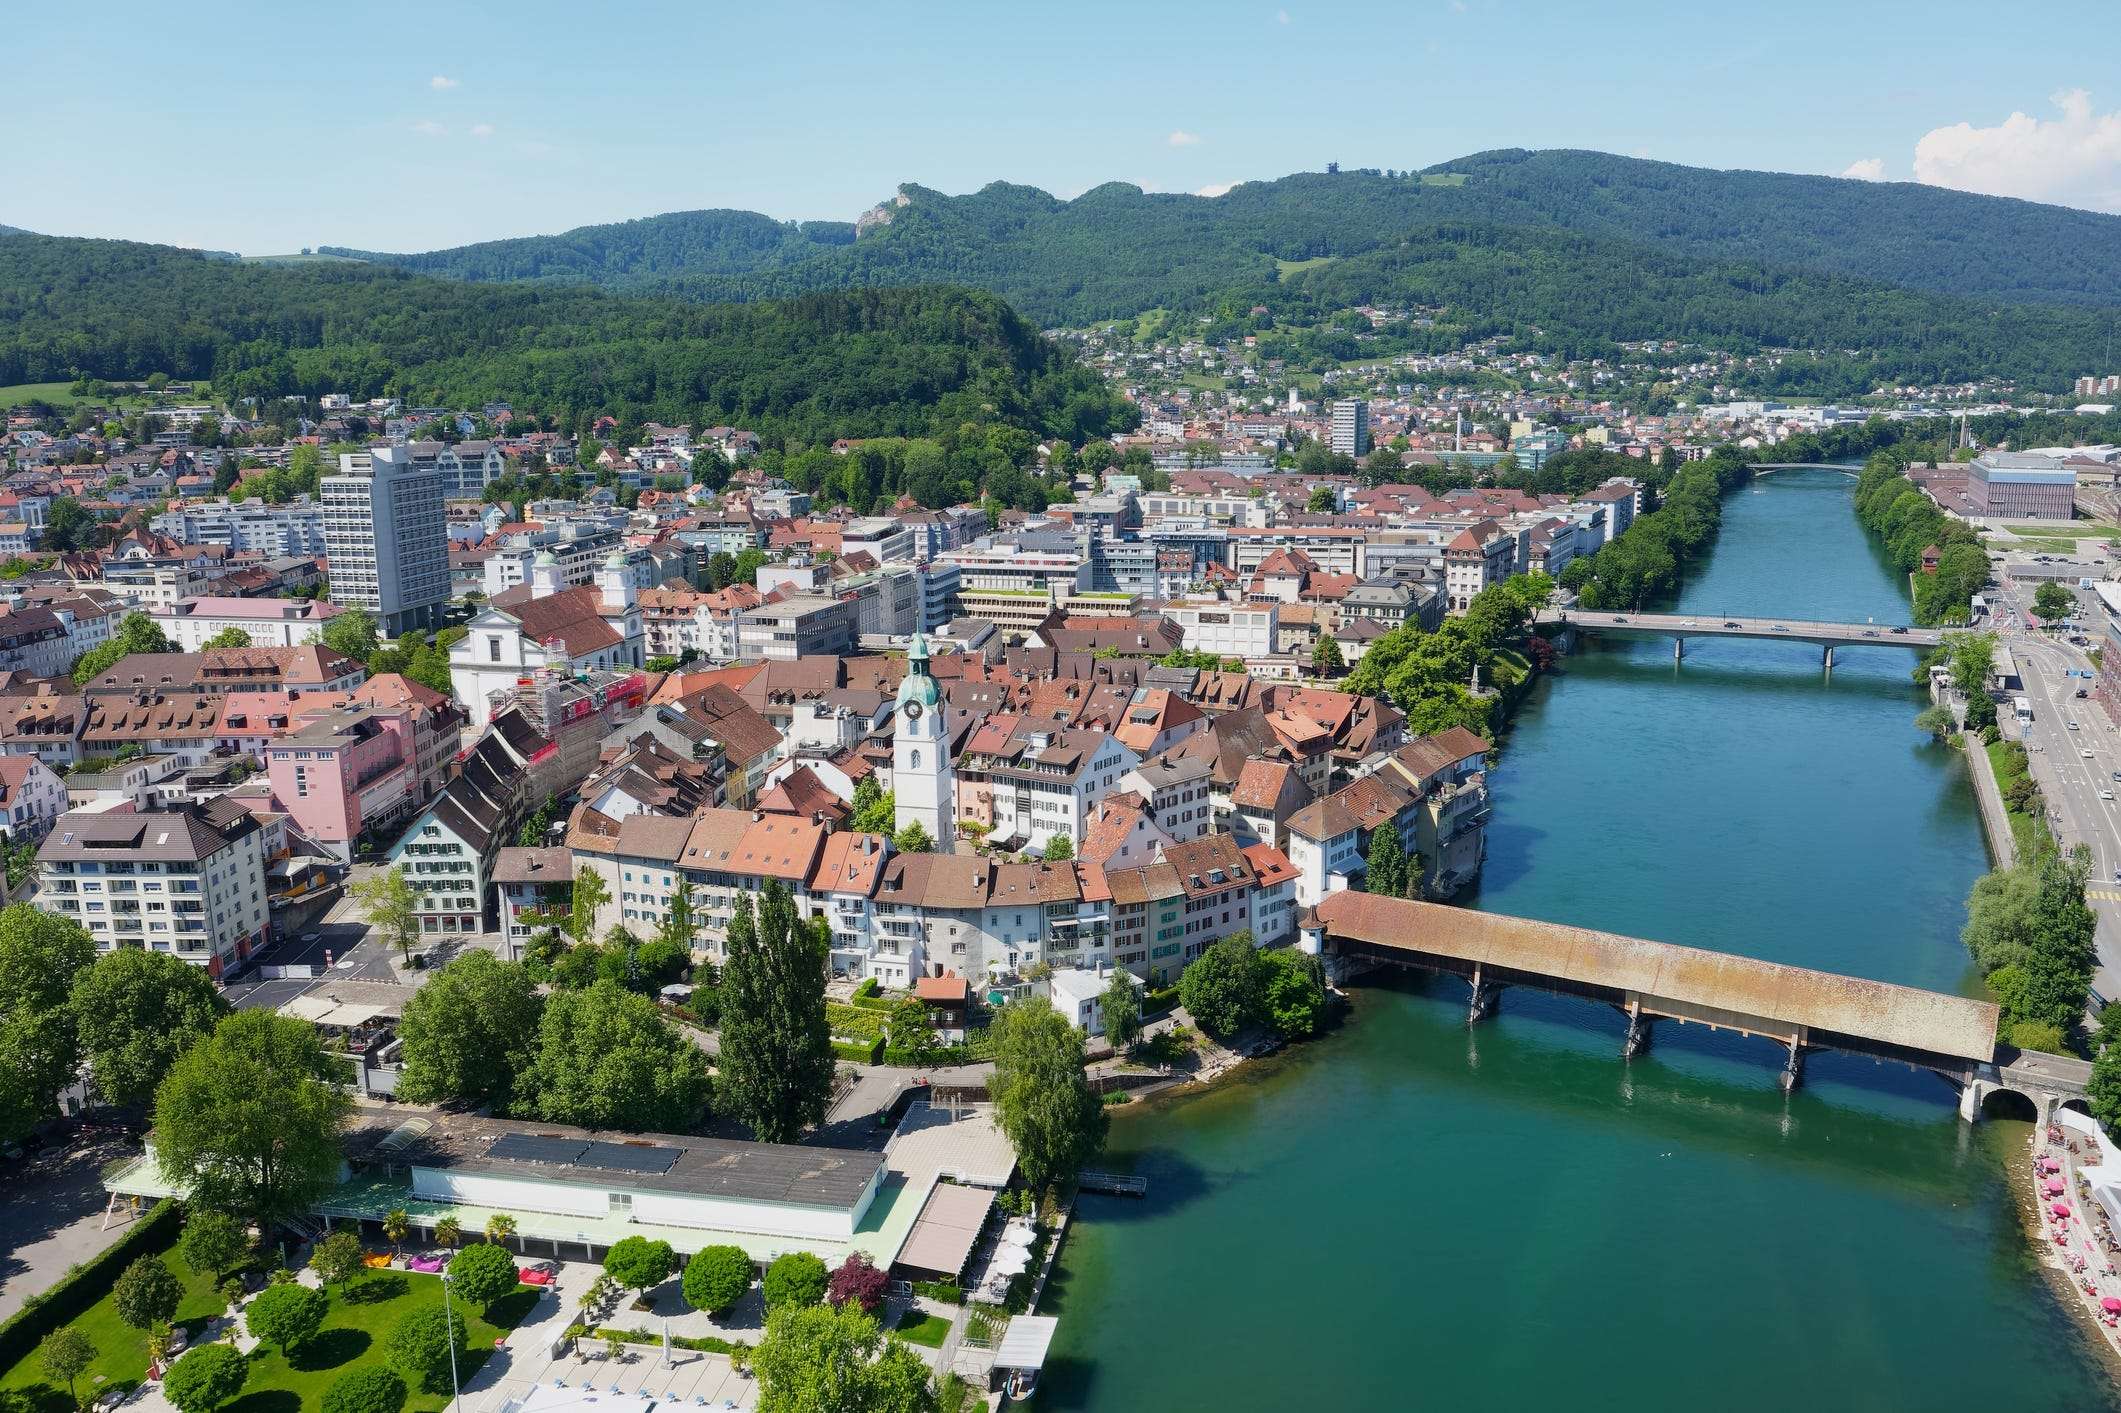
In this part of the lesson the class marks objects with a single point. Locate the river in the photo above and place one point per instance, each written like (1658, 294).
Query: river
(1410, 1213)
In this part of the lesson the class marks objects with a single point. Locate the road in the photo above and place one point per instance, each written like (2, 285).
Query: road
(2074, 767)
(1717, 625)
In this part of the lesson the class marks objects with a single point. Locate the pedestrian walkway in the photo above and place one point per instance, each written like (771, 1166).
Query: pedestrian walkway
(2103, 895)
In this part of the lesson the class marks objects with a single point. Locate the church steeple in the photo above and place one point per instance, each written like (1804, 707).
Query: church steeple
(923, 784)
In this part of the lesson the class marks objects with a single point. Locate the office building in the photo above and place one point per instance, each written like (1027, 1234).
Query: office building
(1350, 435)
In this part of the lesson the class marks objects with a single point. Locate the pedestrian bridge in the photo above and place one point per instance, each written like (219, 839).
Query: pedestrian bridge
(1679, 627)
(1797, 1008)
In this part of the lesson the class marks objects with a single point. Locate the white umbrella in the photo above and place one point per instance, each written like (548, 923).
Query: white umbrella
(1009, 1262)
(1017, 1236)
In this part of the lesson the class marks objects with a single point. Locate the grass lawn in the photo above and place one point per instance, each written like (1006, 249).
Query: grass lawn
(57, 394)
(355, 1332)
(1286, 268)
(928, 1329)
(2028, 833)
(1443, 178)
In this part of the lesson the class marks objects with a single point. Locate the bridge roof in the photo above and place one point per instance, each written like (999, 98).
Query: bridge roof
(1820, 1000)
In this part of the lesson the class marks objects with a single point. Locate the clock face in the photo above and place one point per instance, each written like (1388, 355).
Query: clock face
(913, 711)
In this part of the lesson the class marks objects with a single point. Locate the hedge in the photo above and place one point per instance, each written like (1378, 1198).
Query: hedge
(852, 1022)
(869, 987)
(868, 1053)
(874, 1003)
(940, 1290)
(705, 1344)
(85, 1285)
(1158, 999)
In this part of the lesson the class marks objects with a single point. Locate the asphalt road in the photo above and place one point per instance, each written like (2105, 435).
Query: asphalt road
(2074, 768)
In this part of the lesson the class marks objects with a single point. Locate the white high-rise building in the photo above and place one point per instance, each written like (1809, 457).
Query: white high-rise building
(923, 784)
(1350, 435)
(385, 539)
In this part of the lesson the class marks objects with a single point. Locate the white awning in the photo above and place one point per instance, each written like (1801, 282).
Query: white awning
(327, 1010)
(1025, 1342)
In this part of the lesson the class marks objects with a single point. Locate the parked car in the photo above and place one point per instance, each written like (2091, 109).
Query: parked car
(2082, 693)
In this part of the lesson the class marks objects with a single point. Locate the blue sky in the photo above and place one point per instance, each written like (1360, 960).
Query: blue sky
(256, 128)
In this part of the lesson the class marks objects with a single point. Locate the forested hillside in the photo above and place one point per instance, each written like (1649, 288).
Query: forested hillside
(630, 253)
(1116, 250)
(870, 363)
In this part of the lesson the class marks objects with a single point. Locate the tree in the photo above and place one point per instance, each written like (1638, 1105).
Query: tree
(1326, 658)
(1055, 1121)
(1221, 986)
(468, 1033)
(776, 1052)
(137, 1011)
(1322, 500)
(1121, 1006)
(208, 1376)
(833, 1359)
(393, 907)
(369, 1389)
(248, 1120)
(1385, 867)
(287, 1315)
(68, 525)
(535, 829)
(874, 809)
(913, 838)
(606, 1058)
(1059, 848)
(797, 1278)
(716, 1278)
(41, 956)
(137, 633)
(1938, 722)
(213, 1242)
(1293, 993)
(353, 634)
(591, 895)
(229, 637)
(2053, 603)
(428, 1344)
(337, 1258)
(679, 928)
(397, 1225)
(66, 1355)
(858, 1280)
(483, 1274)
(909, 1030)
(146, 1293)
(499, 1227)
(638, 1263)
(448, 1232)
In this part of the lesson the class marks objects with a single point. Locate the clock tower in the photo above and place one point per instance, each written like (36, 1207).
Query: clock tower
(923, 784)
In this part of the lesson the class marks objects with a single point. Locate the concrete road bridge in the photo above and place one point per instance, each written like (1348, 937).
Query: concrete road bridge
(1679, 627)
(1797, 1008)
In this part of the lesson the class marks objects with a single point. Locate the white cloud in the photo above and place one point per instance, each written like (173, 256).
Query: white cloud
(1869, 169)
(2074, 159)
(1182, 138)
(1458, 7)
(440, 81)
(428, 127)
(1281, 16)
(482, 129)
(1215, 189)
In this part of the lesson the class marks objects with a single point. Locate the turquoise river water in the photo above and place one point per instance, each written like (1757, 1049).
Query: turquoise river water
(1410, 1213)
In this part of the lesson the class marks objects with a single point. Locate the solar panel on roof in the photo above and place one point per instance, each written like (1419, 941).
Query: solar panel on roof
(629, 1157)
(531, 1148)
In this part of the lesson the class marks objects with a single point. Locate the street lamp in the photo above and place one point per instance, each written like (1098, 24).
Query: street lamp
(449, 1337)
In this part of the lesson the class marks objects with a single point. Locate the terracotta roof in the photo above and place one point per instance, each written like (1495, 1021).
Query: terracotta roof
(778, 846)
(850, 862)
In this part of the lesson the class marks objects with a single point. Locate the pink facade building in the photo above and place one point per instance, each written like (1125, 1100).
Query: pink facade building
(346, 770)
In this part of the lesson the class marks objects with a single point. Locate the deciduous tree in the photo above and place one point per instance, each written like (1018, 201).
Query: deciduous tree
(1042, 1100)
(798, 1278)
(393, 907)
(483, 1274)
(287, 1315)
(1220, 988)
(146, 1293)
(41, 957)
(716, 1278)
(137, 1011)
(833, 1359)
(469, 1032)
(606, 1058)
(776, 1051)
(1121, 1006)
(208, 1376)
(639, 1262)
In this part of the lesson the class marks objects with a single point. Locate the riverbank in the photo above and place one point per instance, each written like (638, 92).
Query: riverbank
(2076, 1250)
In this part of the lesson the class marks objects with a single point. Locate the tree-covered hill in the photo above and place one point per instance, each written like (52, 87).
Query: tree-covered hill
(1116, 250)
(867, 363)
(628, 253)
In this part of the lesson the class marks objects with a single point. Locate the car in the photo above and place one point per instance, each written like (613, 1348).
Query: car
(1870, 632)
(2036, 746)
(2107, 795)
(2117, 775)
(1690, 623)
(1900, 630)
(312, 938)
(2070, 724)
(2086, 754)
(1617, 618)
(1730, 623)
(1780, 629)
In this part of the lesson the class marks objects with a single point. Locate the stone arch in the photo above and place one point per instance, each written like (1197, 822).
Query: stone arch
(2077, 1102)
(2002, 1102)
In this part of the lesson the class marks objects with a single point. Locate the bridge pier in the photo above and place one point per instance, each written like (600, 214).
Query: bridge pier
(1679, 650)
(1638, 1036)
(1481, 1004)
(1970, 1098)
(1828, 653)
(1793, 1067)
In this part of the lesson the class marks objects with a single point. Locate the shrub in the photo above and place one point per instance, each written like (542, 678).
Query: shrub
(853, 1022)
(795, 1279)
(147, 1293)
(212, 1243)
(638, 1263)
(337, 1258)
(869, 1052)
(287, 1315)
(483, 1274)
(945, 1291)
(82, 1287)
(370, 1390)
(421, 1345)
(869, 987)
(205, 1378)
(716, 1278)
(857, 1280)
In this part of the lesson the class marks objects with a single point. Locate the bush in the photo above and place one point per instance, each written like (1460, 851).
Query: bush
(420, 1346)
(853, 1022)
(639, 1263)
(868, 1053)
(869, 986)
(795, 1279)
(944, 1291)
(483, 1273)
(287, 1315)
(147, 1293)
(213, 1242)
(370, 1390)
(205, 1378)
(716, 1278)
